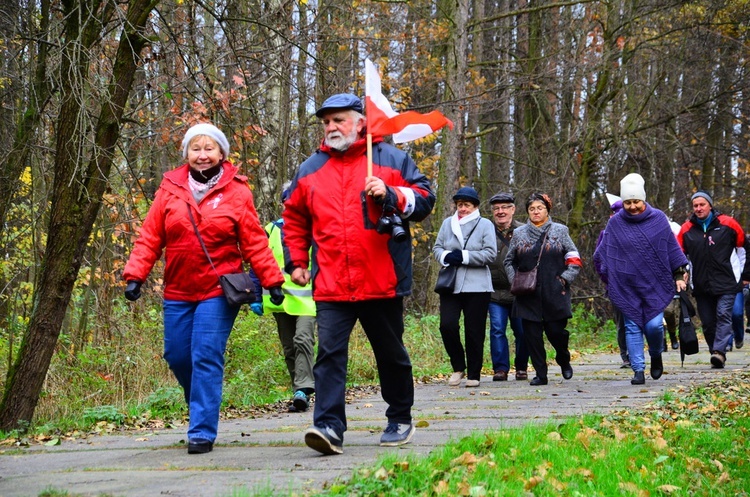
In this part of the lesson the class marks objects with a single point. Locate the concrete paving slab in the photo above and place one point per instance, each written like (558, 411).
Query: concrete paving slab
(268, 452)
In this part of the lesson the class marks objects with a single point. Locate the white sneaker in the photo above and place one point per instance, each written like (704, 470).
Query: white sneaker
(455, 379)
(472, 383)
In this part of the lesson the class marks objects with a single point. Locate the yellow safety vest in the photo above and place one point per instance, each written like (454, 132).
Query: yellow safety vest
(298, 300)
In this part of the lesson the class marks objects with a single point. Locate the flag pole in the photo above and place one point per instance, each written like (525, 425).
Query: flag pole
(369, 154)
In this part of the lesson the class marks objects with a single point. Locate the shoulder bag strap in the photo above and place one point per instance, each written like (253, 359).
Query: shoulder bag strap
(200, 238)
(471, 233)
(541, 247)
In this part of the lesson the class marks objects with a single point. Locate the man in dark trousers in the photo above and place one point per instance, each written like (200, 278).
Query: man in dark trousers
(358, 227)
(709, 238)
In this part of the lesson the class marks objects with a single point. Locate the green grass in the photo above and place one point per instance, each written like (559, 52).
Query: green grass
(125, 382)
(691, 442)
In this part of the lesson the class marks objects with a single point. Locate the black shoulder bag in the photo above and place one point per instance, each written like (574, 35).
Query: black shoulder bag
(446, 279)
(238, 287)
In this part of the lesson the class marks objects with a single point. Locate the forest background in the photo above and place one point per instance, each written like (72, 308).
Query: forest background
(564, 97)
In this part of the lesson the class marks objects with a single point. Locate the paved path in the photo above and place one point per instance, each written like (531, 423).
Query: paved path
(268, 452)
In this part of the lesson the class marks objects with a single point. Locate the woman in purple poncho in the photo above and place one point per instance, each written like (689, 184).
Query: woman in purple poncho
(642, 264)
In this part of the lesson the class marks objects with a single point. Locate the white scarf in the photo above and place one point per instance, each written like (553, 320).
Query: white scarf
(456, 224)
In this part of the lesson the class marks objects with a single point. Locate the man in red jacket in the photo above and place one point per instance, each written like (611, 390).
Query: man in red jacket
(358, 228)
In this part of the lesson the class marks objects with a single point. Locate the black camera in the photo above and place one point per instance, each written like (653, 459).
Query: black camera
(391, 223)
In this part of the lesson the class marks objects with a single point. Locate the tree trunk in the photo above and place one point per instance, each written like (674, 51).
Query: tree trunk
(76, 197)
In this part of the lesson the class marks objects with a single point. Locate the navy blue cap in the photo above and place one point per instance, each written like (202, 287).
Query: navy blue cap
(341, 101)
(467, 193)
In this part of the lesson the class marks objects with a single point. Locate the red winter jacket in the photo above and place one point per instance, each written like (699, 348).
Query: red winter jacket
(228, 224)
(328, 210)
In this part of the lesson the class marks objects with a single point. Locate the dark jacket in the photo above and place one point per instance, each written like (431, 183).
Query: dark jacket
(560, 260)
(500, 282)
(328, 210)
(710, 253)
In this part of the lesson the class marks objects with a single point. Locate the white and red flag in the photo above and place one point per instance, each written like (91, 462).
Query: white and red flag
(383, 120)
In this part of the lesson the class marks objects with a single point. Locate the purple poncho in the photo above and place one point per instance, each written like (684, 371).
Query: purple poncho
(636, 258)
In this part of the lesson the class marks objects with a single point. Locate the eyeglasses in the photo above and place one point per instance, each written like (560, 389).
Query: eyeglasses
(504, 207)
(540, 208)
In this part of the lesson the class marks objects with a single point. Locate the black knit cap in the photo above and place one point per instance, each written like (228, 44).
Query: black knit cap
(467, 193)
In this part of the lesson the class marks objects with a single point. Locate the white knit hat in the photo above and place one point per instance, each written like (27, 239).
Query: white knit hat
(632, 187)
(208, 130)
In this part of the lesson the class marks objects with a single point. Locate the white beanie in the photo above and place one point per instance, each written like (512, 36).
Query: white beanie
(208, 130)
(632, 187)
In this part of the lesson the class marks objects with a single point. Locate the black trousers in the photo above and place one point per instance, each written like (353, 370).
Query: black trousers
(558, 337)
(474, 307)
(383, 323)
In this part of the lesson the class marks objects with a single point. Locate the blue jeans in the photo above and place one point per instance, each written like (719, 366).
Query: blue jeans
(195, 339)
(654, 331)
(738, 319)
(499, 349)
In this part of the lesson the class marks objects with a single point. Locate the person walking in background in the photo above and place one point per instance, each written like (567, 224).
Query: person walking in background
(672, 312)
(615, 205)
(642, 265)
(295, 319)
(547, 244)
(197, 316)
(708, 239)
(738, 309)
(466, 240)
(358, 226)
(503, 209)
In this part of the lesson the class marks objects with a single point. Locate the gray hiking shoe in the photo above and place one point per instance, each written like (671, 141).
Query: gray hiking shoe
(397, 434)
(324, 440)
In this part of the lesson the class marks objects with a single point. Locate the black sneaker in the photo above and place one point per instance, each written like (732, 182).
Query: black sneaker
(717, 360)
(538, 381)
(324, 440)
(300, 401)
(396, 434)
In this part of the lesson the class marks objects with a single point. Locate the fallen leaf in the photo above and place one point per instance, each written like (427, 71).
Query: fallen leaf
(422, 424)
(532, 482)
(668, 489)
(465, 459)
(441, 487)
(381, 474)
(54, 441)
(553, 435)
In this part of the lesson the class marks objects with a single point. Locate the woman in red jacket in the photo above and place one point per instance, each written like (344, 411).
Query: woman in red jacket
(197, 317)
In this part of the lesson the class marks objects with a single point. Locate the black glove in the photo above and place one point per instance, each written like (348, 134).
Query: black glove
(133, 290)
(455, 258)
(277, 296)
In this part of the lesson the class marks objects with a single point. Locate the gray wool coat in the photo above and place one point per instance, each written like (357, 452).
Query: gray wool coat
(558, 267)
(481, 249)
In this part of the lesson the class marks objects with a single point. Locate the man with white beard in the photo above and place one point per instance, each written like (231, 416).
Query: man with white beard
(357, 225)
